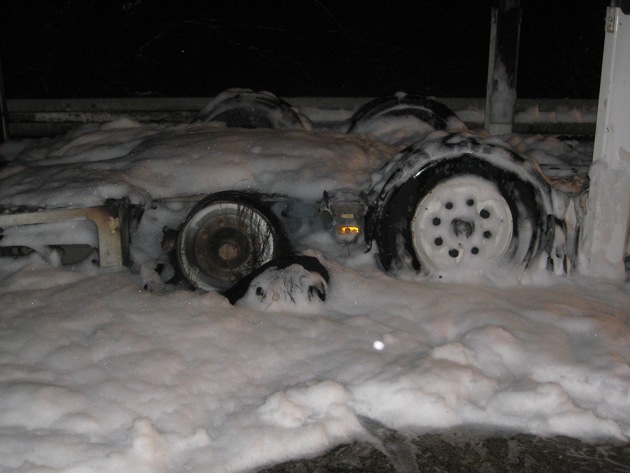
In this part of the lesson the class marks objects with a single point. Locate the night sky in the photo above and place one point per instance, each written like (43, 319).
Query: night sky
(159, 48)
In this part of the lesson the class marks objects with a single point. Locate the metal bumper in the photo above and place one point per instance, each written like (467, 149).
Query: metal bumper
(111, 222)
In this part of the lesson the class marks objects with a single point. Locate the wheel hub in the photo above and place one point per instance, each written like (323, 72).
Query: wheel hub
(464, 222)
(463, 228)
(223, 242)
(222, 246)
(229, 251)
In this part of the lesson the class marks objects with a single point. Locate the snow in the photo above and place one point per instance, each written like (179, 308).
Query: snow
(561, 114)
(289, 289)
(502, 104)
(147, 161)
(97, 374)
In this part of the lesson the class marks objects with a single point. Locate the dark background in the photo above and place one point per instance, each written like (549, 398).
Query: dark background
(127, 48)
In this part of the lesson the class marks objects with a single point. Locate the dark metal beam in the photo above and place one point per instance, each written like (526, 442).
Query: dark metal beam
(502, 66)
(4, 113)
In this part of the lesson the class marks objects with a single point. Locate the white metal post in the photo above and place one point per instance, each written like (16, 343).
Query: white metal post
(604, 236)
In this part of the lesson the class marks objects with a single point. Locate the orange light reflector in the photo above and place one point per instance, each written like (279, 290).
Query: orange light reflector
(349, 230)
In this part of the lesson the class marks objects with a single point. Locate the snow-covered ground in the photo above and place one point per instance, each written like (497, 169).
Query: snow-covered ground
(97, 374)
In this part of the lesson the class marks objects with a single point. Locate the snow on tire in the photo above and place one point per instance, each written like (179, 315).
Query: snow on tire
(462, 221)
(452, 208)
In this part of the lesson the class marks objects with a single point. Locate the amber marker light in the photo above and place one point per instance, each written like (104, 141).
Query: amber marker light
(349, 230)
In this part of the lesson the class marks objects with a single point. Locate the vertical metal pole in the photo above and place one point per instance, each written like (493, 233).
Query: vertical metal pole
(604, 237)
(4, 113)
(505, 32)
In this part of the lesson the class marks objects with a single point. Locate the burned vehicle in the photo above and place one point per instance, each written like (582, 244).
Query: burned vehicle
(254, 179)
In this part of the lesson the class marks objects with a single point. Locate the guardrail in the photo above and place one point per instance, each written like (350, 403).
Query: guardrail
(49, 117)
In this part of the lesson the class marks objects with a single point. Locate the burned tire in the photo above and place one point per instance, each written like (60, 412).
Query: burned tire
(243, 108)
(402, 119)
(462, 215)
(225, 237)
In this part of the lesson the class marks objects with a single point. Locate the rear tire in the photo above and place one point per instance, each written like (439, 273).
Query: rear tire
(225, 237)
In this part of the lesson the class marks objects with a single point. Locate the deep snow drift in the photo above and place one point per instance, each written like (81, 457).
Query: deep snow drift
(97, 374)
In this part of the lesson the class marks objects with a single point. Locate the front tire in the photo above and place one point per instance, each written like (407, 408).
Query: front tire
(403, 119)
(244, 108)
(463, 215)
(463, 221)
(434, 114)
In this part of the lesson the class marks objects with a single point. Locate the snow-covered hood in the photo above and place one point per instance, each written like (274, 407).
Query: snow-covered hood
(143, 162)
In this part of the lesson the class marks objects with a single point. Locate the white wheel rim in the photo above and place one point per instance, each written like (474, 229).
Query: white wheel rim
(463, 222)
(248, 243)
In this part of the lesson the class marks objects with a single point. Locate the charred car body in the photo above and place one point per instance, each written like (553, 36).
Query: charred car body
(443, 200)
